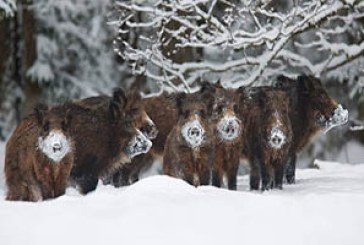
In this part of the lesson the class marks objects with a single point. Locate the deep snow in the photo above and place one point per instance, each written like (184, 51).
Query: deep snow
(325, 206)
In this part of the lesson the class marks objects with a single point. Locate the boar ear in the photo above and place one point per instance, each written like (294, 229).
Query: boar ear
(117, 104)
(133, 97)
(40, 111)
(114, 111)
(241, 90)
(218, 84)
(180, 98)
(119, 97)
(207, 94)
(304, 83)
(68, 114)
(207, 88)
(283, 82)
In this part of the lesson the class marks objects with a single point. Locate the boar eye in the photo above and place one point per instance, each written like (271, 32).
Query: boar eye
(46, 126)
(186, 113)
(235, 108)
(202, 113)
(134, 112)
(64, 126)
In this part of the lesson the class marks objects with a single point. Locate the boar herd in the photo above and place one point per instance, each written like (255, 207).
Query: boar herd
(200, 136)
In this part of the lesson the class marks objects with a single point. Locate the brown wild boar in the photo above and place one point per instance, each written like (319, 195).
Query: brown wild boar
(128, 173)
(163, 112)
(188, 146)
(268, 135)
(227, 129)
(39, 155)
(311, 110)
(106, 139)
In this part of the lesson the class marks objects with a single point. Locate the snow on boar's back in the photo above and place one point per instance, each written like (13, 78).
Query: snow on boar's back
(106, 138)
(40, 155)
(188, 145)
(311, 110)
(227, 129)
(268, 135)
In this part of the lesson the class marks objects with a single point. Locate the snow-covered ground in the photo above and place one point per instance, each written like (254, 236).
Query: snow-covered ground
(325, 206)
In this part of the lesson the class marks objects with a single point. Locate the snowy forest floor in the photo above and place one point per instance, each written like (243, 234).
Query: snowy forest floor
(325, 206)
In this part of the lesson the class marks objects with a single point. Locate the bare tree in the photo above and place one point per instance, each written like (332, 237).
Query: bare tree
(243, 42)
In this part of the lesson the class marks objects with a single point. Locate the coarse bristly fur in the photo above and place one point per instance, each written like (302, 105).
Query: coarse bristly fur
(268, 135)
(162, 110)
(311, 110)
(227, 129)
(129, 171)
(32, 174)
(183, 156)
(105, 136)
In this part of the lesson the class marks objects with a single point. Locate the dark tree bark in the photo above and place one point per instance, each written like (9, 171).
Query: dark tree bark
(4, 53)
(31, 89)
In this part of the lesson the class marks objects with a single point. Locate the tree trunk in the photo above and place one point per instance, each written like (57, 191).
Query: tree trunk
(31, 89)
(4, 53)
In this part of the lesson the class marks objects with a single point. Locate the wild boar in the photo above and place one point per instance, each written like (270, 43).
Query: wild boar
(40, 155)
(188, 146)
(311, 110)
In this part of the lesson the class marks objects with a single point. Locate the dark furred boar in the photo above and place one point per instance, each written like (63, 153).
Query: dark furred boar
(163, 112)
(311, 110)
(227, 130)
(39, 155)
(189, 144)
(268, 135)
(106, 138)
(160, 107)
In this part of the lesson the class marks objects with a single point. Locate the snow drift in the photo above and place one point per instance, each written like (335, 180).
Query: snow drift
(324, 207)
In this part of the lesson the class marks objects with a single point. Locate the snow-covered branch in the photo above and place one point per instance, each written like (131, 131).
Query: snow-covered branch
(242, 41)
(8, 7)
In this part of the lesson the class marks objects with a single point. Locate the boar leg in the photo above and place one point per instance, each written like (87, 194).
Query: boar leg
(188, 177)
(121, 177)
(232, 178)
(254, 174)
(62, 178)
(291, 169)
(216, 178)
(266, 173)
(87, 183)
(278, 176)
(205, 177)
(144, 163)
